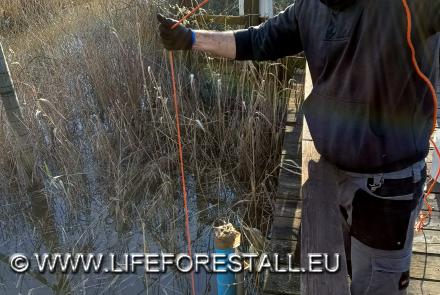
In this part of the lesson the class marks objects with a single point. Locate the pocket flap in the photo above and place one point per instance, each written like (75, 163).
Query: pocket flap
(392, 264)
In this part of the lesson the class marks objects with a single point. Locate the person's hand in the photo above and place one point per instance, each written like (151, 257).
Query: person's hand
(180, 38)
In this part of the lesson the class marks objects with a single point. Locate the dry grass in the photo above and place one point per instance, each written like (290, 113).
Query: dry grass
(18, 15)
(95, 88)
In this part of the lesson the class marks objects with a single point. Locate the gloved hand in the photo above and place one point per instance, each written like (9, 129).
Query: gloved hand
(180, 38)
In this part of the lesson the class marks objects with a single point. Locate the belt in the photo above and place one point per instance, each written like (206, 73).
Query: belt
(396, 187)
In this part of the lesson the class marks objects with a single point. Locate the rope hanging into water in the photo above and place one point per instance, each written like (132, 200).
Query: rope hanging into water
(179, 143)
(423, 216)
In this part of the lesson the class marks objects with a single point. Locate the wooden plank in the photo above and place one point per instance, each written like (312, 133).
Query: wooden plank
(291, 162)
(321, 233)
(308, 87)
(291, 143)
(308, 83)
(230, 20)
(289, 181)
(287, 208)
(308, 152)
(427, 241)
(289, 158)
(306, 132)
(320, 228)
(434, 201)
(291, 165)
(289, 191)
(436, 189)
(282, 283)
(421, 287)
(286, 228)
(425, 267)
(310, 166)
(285, 233)
(289, 195)
(287, 213)
(294, 131)
(434, 223)
(293, 114)
(292, 149)
(284, 248)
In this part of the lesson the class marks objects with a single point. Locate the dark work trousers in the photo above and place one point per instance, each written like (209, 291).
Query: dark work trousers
(379, 212)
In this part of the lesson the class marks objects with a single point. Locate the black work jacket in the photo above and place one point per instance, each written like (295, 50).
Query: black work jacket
(368, 112)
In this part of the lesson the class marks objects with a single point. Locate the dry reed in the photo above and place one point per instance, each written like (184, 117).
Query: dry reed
(94, 84)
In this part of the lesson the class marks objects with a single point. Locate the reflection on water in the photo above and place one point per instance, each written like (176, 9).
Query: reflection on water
(66, 217)
(46, 223)
(57, 220)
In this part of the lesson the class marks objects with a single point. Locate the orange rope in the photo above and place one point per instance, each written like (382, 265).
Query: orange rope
(182, 166)
(421, 223)
(189, 14)
(179, 143)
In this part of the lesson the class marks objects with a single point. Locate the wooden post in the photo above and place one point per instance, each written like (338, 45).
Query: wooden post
(266, 8)
(241, 7)
(252, 8)
(40, 211)
(15, 117)
(40, 207)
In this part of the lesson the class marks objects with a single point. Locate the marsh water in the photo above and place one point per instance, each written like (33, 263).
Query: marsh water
(77, 213)
(97, 230)
(85, 206)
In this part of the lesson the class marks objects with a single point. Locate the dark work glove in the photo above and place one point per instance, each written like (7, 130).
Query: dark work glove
(180, 38)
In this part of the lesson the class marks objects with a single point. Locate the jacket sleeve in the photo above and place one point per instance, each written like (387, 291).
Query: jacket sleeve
(277, 37)
(432, 14)
(436, 17)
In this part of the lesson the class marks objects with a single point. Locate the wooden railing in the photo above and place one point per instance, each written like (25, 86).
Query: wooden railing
(252, 13)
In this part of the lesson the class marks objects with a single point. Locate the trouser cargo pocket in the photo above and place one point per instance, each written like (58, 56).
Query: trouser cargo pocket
(380, 223)
(389, 275)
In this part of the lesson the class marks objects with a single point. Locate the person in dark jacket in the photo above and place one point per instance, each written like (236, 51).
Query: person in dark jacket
(370, 114)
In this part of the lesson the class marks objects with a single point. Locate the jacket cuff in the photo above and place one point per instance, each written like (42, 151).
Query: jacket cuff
(243, 45)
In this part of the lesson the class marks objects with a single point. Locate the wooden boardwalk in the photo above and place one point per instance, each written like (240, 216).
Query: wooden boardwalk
(306, 220)
(285, 234)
